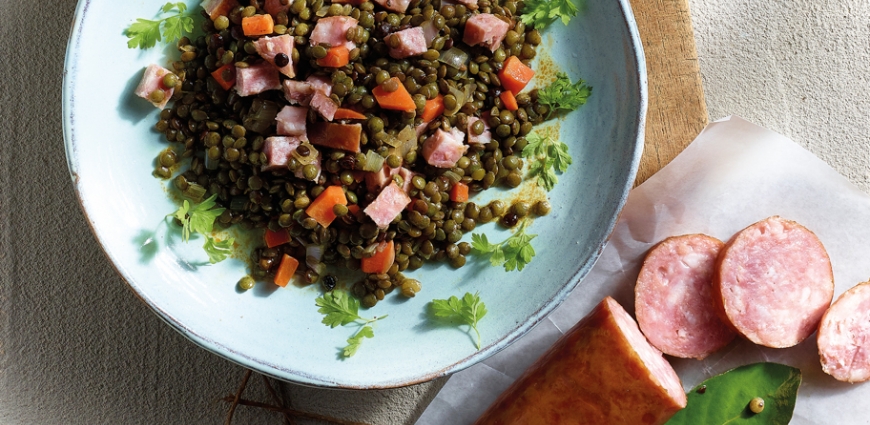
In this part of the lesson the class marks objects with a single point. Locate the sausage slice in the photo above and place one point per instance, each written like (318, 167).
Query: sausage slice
(844, 336)
(674, 297)
(603, 371)
(774, 282)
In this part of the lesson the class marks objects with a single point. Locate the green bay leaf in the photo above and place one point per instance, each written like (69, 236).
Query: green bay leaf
(724, 399)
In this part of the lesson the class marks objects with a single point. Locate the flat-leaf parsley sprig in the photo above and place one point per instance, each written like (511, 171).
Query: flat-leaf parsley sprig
(542, 13)
(145, 33)
(199, 218)
(514, 253)
(341, 309)
(467, 310)
(548, 155)
(564, 96)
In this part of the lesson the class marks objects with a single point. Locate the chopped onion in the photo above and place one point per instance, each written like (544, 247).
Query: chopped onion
(308, 159)
(374, 162)
(430, 32)
(454, 57)
(462, 97)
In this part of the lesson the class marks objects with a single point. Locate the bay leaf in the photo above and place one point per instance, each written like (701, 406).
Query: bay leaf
(724, 399)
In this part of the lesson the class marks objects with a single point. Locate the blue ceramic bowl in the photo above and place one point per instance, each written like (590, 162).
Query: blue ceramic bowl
(111, 146)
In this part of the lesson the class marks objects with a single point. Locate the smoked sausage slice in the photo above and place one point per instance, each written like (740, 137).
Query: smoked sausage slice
(844, 336)
(603, 371)
(774, 282)
(674, 297)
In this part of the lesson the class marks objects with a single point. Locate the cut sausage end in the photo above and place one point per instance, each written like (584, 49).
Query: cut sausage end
(674, 297)
(844, 336)
(774, 282)
(603, 371)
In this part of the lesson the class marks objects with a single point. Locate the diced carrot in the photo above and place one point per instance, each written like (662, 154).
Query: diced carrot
(348, 114)
(381, 262)
(399, 100)
(515, 75)
(286, 270)
(336, 57)
(225, 76)
(274, 238)
(509, 100)
(321, 208)
(258, 25)
(434, 108)
(459, 192)
(353, 209)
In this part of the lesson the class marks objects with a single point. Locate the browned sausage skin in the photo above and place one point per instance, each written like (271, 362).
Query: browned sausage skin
(774, 282)
(674, 297)
(603, 371)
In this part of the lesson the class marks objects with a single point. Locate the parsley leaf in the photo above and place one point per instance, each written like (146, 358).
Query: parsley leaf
(340, 308)
(145, 33)
(467, 310)
(564, 96)
(542, 13)
(549, 155)
(354, 342)
(198, 218)
(218, 251)
(514, 253)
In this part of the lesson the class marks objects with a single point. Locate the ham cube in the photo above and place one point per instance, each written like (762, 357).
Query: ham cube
(443, 149)
(256, 79)
(320, 84)
(269, 47)
(298, 92)
(395, 5)
(274, 7)
(333, 31)
(215, 8)
(486, 30)
(376, 181)
(388, 205)
(406, 175)
(291, 121)
(151, 81)
(278, 150)
(412, 42)
(336, 136)
(480, 139)
(324, 105)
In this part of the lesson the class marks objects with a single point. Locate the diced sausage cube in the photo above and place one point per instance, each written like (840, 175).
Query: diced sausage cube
(278, 151)
(443, 149)
(215, 8)
(412, 42)
(269, 47)
(388, 205)
(298, 92)
(256, 79)
(333, 31)
(395, 5)
(291, 121)
(486, 30)
(324, 105)
(482, 138)
(274, 7)
(151, 81)
(336, 136)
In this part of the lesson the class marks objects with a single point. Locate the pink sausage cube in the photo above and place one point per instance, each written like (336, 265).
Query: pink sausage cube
(443, 149)
(269, 47)
(412, 42)
(256, 79)
(388, 205)
(333, 31)
(291, 121)
(324, 105)
(278, 151)
(482, 138)
(298, 92)
(485, 29)
(151, 81)
(395, 5)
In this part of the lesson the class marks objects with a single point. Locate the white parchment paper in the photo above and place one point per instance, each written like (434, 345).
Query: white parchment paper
(734, 174)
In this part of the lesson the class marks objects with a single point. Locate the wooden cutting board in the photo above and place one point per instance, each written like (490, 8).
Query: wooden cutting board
(677, 110)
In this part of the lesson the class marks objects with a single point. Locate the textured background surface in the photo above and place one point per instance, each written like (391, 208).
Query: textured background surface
(76, 347)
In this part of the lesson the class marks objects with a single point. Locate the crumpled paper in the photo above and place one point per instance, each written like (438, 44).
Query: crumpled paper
(733, 174)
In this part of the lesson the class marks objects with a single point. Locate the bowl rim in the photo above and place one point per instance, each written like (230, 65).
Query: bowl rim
(301, 378)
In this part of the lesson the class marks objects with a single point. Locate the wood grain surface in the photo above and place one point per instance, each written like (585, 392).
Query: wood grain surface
(677, 110)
